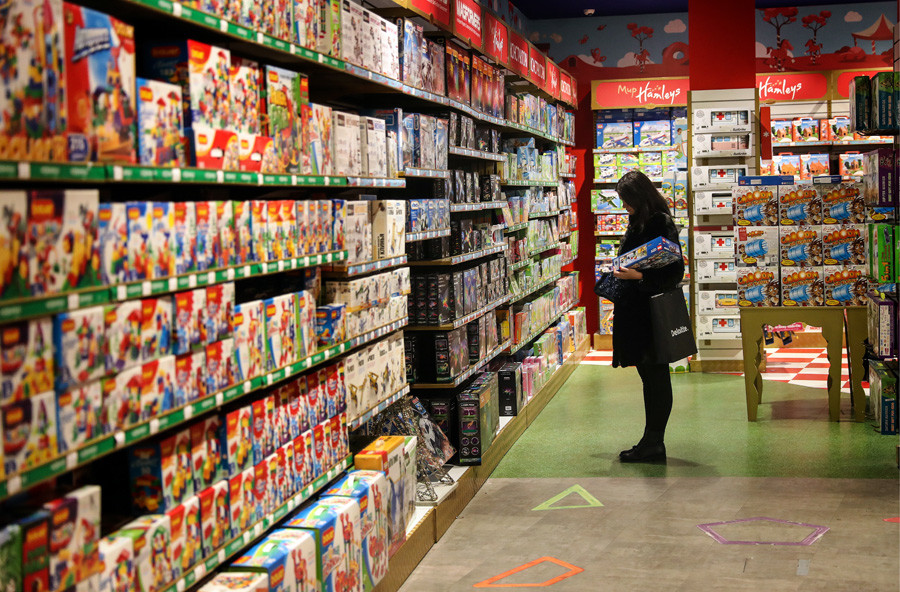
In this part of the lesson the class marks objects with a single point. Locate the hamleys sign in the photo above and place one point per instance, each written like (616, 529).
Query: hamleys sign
(622, 94)
(803, 86)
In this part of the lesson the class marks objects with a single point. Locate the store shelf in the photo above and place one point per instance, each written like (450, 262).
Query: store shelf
(537, 288)
(368, 267)
(457, 259)
(427, 173)
(567, 175)
(515, 348)
(462, 320)
(563, 235)
(614, 181)
(612, 212)
(568, 262)
(544, 249)
(474, 207)
(535, 183)
(777, 145)
(362, 419)
(516, 227)
(256, 531)
(376, 182)
(550, 214)
(455, 382)
(469, 153)
(412, 237)
(633, 149)
(519, 265)
(609, 233)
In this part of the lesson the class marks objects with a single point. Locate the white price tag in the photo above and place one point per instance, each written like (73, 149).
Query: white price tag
(281, 265)
(192, 281)
(321, 58)
(73, 301)
(118, 173)
(294, 179)
(221, 556)
(199, 572)
(145, 288)
(327, 181)
(293, 49)
(248, 386)
(173, 284)
(121, 293)
(154, 426)
(270, 379)
(211, 278)
(176, 175)
(220, 399)
(220, 176)
(188, 412)
(223, 25)
(259, 37)
(247, 538)
(257, 529)
(230, 273)
(24, 170)
(176, 9)
(71, 460)
(180, 586)
(13, 485)
(119, 437)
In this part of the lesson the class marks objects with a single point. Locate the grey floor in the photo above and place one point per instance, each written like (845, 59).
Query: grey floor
(645, 536)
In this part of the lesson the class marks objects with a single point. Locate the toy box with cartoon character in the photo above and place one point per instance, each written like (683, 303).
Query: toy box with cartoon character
(237, 441)
(74, 537)
(234, 581)
(220, 309)
(26, 348)
(801, 247)
(386, 455)
(240, 496)
(14, 251)
(249, 337)
(215, 525)
(844, 244)
(161, 473)
(799, 205)
(843, 203)
(757, 246)
(157, 387)
(370, 490)
(758, 286)
(121, 397)
(220, 365)
(281, 330)
(117, 559)
(78, 338)
(161, 263)
(156, 327)
(206, 452)
(335, 525)
(185, 542)
(123, 335)
(151, 536)
(846, 285)
(100, 83)
(139, 256)
(190, 377)
(755, 206)
(190, 320)
(226, 251)
(802, 287)
(78, 416)
(285, 92)
(160, 124)
(62, 230)
(285, 558)
(113, 236)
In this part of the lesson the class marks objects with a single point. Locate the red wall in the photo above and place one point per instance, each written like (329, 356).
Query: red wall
(722, 36)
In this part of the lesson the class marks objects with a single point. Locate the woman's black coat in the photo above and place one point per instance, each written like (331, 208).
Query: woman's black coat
(632, 329)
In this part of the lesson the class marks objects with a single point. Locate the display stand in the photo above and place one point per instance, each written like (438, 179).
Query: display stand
(833, 322)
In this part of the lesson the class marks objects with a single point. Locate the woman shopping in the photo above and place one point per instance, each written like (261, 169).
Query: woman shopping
(633, 345)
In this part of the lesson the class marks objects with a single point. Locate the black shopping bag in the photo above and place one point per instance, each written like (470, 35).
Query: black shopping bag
(673, 338)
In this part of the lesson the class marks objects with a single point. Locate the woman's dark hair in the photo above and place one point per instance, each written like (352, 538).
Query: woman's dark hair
(638, 191)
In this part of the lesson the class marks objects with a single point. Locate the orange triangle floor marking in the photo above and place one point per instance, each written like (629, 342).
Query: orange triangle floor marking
(491, 582)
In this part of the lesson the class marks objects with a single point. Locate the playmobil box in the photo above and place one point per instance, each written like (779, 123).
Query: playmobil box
(880, 177)
(160, 124)
(233, 581)
(285, 92)
(758, 286)
(755, 206)
(26, 348)
(215, 528)
(801, 247)
(185, 542)
(803, 287)
(117, 559)
(652, 255)
(334, 524)
(843, 203)
(78, 338)
(150, 535)
(799, 205)
(74, 537)
(844, 244)
(846, 285)
(78, 416)
(206, 452)
(386, 455)
(161, 473)
(757, 246)
(100, 86)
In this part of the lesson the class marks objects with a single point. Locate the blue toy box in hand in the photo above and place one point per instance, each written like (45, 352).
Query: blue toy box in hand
(657, 253)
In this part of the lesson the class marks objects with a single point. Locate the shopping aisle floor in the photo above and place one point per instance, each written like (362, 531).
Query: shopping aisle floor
(793, 465)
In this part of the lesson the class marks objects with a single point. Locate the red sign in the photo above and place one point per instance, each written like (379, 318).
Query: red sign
(518, 54)
(467, 21)
(842, 80)
(565, 88)
(792, 86)
(537, 66)
(496, 39)
(552, 86)
(623, 94)
(437, 9)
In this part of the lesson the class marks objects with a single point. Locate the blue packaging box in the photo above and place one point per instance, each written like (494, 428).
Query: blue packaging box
(767, 180)
(615, 135)
(652, 255)
(653, 133)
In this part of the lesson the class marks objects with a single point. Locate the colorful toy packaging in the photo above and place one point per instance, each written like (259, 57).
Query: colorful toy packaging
(285, 92)
(244, 76)
(846, 285)
(240, 496)
(206, 451)
(386, 455)
(657, 253)
(801, 247)
(78, 416)
(757, 246)
(879, 177)
(220, 309)
(844, 245)
(338, 557)
(113, 234)
(117, 557)
(160, 124)
(121, 399)
(286, 558)
(281, 331)
(220, 365)
(158, 387)
(186, 537)
(74, 537)
(370, 490)
(139, 256)
(123, 335)
(758, 286)
(29, 432)
(799, 205)
(190, 378)
(843, 204)
(150, 535)
(318, 124)
(190, 319)
(161, 474)
(100, 84)
(156, 327)
(755, 206)
(232, 581)
(78, 339)
(26, 350)
(249, 336)
(226, 253)
(214, 517)
(14, 257)
(802, 287)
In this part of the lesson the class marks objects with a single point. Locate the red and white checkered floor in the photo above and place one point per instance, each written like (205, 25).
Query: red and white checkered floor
(803, 367)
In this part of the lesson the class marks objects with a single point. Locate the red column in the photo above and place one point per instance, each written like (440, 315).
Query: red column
(584, 263)
(722, 42)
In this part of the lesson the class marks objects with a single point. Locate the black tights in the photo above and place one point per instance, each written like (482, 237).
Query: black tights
(657, 400)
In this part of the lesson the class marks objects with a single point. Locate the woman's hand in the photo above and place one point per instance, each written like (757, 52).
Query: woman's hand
(626, 273)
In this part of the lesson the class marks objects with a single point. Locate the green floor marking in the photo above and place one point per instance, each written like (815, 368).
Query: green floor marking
(592, 502)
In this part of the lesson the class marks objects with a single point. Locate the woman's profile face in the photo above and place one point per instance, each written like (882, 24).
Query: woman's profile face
(628, 208)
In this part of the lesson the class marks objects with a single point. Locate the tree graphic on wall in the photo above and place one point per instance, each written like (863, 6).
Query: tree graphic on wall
(641, 34)
(814, 22)
(778, 18)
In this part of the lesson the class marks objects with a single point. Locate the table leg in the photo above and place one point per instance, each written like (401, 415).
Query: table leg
(857, 331)
(833, 332)
(751, 338)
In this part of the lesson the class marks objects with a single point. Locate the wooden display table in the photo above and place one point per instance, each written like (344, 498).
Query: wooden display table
(835, 321)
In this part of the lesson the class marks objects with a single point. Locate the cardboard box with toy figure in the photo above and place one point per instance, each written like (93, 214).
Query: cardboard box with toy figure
(802, 287)
(846, 285)
(801, 247)
(757, 246)
(844, 244)
(758, 286)
(161, 473)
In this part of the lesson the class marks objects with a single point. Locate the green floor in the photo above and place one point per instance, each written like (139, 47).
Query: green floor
(599, 411)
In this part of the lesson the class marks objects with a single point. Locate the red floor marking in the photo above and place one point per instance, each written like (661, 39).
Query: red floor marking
(897, 519)
(573, 570)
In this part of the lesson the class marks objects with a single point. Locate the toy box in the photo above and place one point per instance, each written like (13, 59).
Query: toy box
(158, 387)
(184, 236)
(801, 247)
(190, 319)
(281, 329)
(372, 137)
(220, 309)
(215, 527)
(206, 452)
(26, 348)
(388, 221)
(190, 378)
(232, 581)
(845, 285)
(711, 203)
(161, 255)
(802, 287)
(884, 101)
(14, 253)
(882, 314)
(705, 178)
(860, 98)
(616, 135)
(799, 205)
(843, 203)
(755, 206)
(100, 84)
(241, 498)
(787, 164)
(249, 335)
(121, 399)
(185, 541)
(151, 536)
(813, 165)
(880, 177)
(386, 455)
(244, 86)
(226, 241)
(882, 247)
(74, 537)
(655, 254)
(288, 232)
(161, 473)
(335, 528)
(757, 246)
(652, 133)
(712, 245)
(722, 326)
(156, 327)
(139, 256)
(261, 489)
(160, 124)
(716, 270)
(117, 559)
(716, 301)
(274, 481)
(287, 557)
(305, 309)
(306, 23)
(346, 143)
(286, 91)
(220, 365)
(319, 123)
(850, 164)
(844, 244)
(758, 286)
(78, 339)
(123, 335)
(237, 441)
(214, 149)
(261, 447)
(804, 129)
(207, 235)
(78, 416)
(883, 399)
(732, 120)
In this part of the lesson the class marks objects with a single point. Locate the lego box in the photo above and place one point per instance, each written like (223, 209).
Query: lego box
(215, 527)
(78, 416)
(185, 543)
(79, 338)
(755, 206)
(334, 524)
(29, 432)
(846, 285)
(757, 246)
(161, 474)
(26, 350)
(285, 92)
(803, 287)
(655, 254)
(844, 245)
(801, 247)
(758, 286)
(74, 537)
(160, 124)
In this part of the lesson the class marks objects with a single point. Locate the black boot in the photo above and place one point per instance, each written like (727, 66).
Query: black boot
(649, 449)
